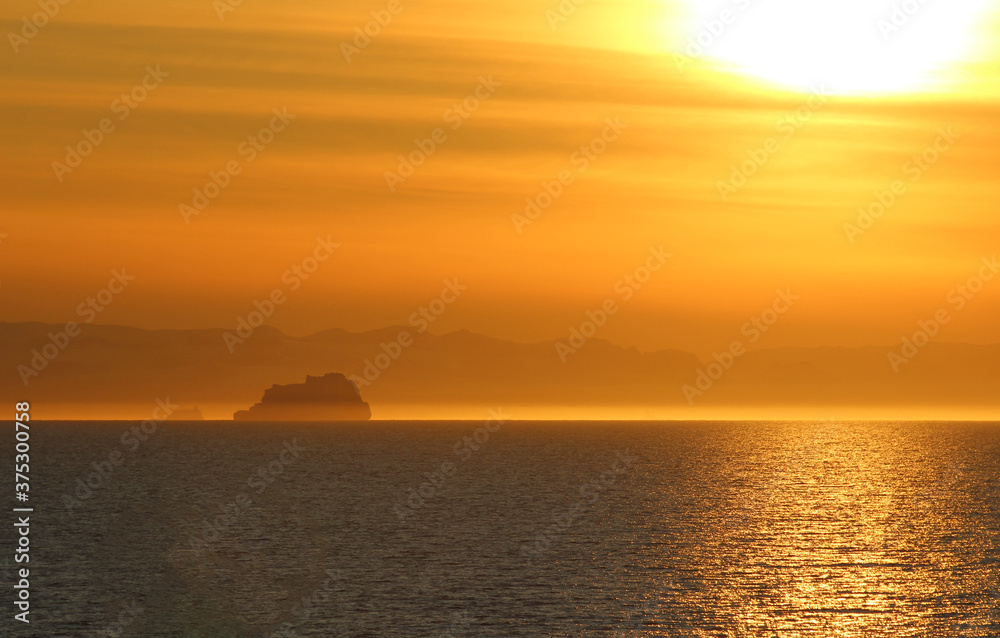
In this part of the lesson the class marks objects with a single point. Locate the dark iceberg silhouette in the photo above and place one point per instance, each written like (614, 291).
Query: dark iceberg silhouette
(331, 397)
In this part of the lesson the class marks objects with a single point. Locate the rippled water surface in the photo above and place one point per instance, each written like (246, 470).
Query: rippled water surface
(531, 529)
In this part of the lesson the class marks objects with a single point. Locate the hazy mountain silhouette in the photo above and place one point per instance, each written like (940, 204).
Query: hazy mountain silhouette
(115, 365)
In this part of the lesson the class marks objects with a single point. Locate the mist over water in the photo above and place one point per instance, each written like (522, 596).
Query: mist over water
(530, 529)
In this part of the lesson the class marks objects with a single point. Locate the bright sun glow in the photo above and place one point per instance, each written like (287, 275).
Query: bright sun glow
(842, 46)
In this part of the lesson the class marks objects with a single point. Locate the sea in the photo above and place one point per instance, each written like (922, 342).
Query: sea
(507, 528)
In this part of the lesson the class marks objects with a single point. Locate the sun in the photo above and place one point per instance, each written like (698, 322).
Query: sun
(839, 46)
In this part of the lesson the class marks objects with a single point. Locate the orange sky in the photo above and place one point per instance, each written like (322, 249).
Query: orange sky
(552, 91)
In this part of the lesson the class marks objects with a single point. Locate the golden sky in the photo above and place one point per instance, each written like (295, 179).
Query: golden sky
(839, 119)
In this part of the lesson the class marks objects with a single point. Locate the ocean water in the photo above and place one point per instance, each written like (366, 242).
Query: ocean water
(522, 529)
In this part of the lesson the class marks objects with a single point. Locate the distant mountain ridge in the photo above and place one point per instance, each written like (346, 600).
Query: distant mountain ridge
(121, 365)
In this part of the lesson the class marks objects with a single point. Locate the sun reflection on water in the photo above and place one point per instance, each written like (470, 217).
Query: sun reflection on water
(835, 529)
